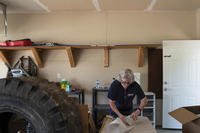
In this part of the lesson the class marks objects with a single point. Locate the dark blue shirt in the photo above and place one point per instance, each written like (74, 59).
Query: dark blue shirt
(124, 98)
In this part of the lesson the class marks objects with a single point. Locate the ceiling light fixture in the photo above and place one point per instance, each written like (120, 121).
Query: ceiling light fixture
(96, 5)
(42, 5)
(151, 5)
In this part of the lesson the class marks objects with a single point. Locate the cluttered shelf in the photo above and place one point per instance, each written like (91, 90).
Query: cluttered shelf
(72, 91)
(79, 93)
(96, 107)
(36, 50)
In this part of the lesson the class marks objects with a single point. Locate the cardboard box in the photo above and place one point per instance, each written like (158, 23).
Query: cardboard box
(142, 125)
(87, 120)
(189, 117)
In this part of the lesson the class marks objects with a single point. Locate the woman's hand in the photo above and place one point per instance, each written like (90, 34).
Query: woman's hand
(135, 114)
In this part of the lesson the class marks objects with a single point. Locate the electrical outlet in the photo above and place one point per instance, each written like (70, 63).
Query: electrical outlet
(58, 76)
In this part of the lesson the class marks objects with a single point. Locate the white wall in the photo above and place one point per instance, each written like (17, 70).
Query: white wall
(114, 27)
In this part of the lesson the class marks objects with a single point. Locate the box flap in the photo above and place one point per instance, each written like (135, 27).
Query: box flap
(193, 109)
(183, 115)
(84, 117)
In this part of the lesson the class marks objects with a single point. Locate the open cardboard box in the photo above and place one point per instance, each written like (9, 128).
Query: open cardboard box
(189, 117)
(87, 120)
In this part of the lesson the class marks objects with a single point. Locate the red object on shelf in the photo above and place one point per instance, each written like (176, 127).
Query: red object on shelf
(3, 44)
(23, 42)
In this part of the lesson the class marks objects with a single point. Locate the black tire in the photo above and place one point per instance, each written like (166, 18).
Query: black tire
(41, 103)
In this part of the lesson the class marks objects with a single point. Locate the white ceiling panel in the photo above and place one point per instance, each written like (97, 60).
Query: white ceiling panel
(124, 4)
(24, 6)
(39, 6)
(56, 5)
(177, 5)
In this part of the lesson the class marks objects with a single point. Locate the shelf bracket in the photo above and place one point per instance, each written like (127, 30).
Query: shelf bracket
(70, 56)
(106, 57)
(37, 57)
(140, 56)
(4, 57)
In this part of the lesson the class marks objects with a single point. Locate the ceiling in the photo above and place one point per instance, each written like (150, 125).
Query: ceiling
(40, 6)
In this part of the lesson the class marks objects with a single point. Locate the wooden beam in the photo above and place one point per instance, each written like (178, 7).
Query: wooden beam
(4, 57)
(37, 57)
(70, 56)
(106, 57)
(140, 56)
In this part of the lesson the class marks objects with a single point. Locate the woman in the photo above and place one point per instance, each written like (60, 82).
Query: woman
(121, 94)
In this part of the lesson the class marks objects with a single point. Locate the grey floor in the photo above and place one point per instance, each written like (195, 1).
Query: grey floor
(168, 131)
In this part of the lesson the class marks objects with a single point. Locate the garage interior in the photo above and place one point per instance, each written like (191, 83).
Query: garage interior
(85, 41)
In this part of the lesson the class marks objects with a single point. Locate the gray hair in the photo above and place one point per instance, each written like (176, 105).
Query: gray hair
(126, 74)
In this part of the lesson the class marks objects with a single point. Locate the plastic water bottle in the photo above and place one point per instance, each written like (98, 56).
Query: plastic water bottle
(68, 86)
(97, 84)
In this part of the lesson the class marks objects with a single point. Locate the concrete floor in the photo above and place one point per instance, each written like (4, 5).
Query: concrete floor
(168, 131)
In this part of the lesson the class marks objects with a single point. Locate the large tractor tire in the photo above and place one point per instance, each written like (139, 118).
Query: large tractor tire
(38, 106)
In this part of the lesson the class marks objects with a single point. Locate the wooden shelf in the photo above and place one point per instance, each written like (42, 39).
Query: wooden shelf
(69, 52)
